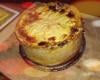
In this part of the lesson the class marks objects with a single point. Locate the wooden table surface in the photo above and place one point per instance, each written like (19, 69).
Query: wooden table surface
(14, 67)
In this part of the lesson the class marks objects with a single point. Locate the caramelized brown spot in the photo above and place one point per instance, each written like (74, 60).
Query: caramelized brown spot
(51, 39)
(74, 30)
(60, 4)
(57, 6)
(22, 31)
(24, 34)
(62, 11)
(30, 39)
(70, 14)
(33, 17)
(71, 37)
(43, 43)
(53, 8)
(64, 35)
(61, 44)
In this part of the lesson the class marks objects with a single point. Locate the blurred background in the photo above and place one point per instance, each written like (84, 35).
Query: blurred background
(86, 6)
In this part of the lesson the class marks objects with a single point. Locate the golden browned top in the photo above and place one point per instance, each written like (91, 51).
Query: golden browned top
(49, 24)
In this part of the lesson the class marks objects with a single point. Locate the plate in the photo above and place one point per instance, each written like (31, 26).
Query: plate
(6, 15)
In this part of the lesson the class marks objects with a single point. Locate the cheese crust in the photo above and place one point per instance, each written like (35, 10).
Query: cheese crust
(49, 25)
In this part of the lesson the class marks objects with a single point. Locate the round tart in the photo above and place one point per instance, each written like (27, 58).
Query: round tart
(50, 33)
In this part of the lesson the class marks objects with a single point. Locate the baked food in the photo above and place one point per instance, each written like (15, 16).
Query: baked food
(50, 33)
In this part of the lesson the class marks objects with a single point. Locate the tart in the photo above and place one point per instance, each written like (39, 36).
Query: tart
(50, 33)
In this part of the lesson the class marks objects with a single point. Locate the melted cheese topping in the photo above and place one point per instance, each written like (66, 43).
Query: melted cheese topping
(46, 22)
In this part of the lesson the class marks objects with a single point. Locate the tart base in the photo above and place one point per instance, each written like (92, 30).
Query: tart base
(58, 67)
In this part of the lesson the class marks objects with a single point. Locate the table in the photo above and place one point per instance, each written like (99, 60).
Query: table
(15, 68)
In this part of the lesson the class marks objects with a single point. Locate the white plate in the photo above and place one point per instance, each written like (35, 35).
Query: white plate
(8, 17)
(8, 29)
